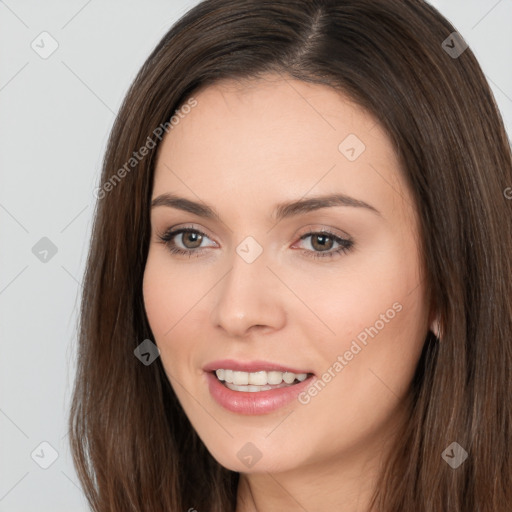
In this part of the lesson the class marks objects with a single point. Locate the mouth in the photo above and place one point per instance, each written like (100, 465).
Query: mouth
(255, 387)
(261, 380)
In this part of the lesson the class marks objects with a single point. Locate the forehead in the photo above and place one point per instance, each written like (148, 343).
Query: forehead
(272, 110)
(277, 137)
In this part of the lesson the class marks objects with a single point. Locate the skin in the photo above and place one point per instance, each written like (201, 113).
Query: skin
(244, 148)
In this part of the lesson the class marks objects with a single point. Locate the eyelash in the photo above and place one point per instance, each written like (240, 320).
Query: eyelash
(345, 245)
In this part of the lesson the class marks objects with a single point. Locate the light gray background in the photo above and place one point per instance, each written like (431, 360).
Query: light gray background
(56, 114)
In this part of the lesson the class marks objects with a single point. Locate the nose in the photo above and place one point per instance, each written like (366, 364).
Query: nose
(249, 298)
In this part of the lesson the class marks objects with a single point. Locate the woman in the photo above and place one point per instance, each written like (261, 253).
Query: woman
(303, 206)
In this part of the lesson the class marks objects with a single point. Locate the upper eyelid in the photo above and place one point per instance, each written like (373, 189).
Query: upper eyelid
(308, 231)
(202, 234)
(178, 231)
(310, 228)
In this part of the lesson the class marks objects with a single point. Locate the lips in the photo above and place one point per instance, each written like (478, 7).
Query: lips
(261, 402)
(252, 366)
(254, 401)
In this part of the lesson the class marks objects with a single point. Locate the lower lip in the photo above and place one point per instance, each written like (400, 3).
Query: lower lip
(257, 402)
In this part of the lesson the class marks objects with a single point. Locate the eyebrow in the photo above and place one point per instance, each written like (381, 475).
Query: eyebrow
(281, 211)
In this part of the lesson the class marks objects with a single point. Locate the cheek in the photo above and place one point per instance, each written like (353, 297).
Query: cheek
(158, 297)
(174, 305)
(166, 301)
(168, 294)
(378, 314)
(368, 365)
(381, 286)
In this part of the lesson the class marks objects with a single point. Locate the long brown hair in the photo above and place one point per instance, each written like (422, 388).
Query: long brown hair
(133, 446)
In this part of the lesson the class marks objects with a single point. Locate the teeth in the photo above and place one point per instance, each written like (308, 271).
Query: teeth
(261, 378)
(256, 378)
(288, 377)
(250, 389)
(274, 377)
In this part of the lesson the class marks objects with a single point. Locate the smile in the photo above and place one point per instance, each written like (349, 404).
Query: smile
(254, 391)
(254, 382)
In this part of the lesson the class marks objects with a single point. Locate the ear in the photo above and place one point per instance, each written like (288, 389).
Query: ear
(435, 326)
(434, 319)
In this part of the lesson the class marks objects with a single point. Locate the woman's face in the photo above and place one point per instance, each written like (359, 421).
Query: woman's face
(262, 287)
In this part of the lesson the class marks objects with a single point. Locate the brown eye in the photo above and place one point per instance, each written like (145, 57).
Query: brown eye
(185, 242)
(322, 242)
(191, 239)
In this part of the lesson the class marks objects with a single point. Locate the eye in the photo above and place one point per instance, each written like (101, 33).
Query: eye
(184, 241)
(322, 243)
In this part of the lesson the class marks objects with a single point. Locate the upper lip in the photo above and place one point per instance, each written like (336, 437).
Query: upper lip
(250, 366)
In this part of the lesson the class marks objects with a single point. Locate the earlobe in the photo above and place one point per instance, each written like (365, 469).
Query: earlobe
(435, 327)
